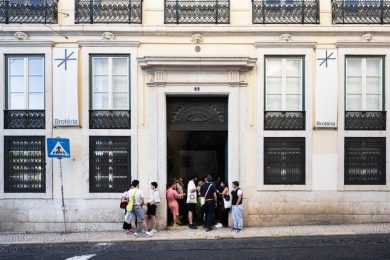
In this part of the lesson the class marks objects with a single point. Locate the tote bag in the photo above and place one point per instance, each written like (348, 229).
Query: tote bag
(227, 204)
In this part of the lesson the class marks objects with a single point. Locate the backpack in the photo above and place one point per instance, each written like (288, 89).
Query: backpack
(131, 202)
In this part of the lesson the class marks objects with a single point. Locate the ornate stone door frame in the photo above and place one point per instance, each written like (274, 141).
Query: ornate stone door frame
(191, 76)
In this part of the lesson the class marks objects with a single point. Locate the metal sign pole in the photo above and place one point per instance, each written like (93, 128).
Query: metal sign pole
(62, 194)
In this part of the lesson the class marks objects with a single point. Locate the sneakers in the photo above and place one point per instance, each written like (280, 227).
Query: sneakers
(148, 234)
(219, 225)
(153, 231)
(192, 226)
(209, 229)
(238, 230)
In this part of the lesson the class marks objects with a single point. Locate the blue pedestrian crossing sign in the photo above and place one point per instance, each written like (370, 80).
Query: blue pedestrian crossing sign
(58, 148)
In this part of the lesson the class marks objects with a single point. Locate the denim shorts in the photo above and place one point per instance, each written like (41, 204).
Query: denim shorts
(138, 212)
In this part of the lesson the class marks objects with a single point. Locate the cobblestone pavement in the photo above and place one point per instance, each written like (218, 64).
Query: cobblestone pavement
(324, 247)
(183, 233)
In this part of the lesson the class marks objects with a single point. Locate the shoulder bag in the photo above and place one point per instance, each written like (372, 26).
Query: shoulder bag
(203, 199)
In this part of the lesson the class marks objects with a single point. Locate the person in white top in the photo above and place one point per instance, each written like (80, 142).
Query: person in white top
(137, 209)
(152, 205)
(191, 201)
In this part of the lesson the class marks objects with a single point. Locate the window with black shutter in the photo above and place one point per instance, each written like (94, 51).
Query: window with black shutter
(365, 161)
(24, 164)
(109, 163)
(284, 161)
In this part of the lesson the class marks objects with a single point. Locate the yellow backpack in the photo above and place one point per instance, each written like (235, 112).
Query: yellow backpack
(131, 202)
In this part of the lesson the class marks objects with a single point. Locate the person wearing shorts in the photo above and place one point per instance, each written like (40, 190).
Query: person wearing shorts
(152, 205)
(138, 211)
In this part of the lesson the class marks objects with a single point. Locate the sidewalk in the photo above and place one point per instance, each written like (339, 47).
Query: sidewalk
(183, 233)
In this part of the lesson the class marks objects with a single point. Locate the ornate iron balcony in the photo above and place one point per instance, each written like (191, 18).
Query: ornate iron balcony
(365, 120)
(21, 11)
(197, 11)
(288, 12)
(109, 119)
(110, 11)
(24, 119)
(284, 120)
(361, 12)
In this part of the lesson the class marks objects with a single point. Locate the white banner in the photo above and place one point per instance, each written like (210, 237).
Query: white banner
(326, 89)
(65, 91)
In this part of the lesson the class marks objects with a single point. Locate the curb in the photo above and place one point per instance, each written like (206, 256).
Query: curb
(208, 237)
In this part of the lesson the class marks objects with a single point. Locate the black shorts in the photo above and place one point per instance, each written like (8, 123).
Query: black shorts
(151, 210)
(191, 207)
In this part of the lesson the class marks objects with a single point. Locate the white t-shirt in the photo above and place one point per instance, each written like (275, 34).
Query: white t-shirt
(191, 196)
(139, 194)
(155, 197)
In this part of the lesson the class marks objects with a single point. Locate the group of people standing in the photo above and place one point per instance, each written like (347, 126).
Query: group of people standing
(202, 201)
(134, 211)
(207, 202)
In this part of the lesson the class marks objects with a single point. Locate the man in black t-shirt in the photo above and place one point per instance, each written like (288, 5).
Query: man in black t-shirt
(208, 191)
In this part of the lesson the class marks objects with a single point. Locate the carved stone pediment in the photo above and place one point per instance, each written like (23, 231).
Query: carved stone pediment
(218, 63)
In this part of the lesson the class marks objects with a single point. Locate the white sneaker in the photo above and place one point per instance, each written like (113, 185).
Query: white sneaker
(154, 231)
(148, 234)
(219, 225)
(135, 235)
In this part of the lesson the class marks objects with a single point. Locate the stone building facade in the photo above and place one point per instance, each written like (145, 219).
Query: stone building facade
(288, 97)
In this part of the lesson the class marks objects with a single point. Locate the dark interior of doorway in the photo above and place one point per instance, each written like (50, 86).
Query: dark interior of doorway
(196, 153)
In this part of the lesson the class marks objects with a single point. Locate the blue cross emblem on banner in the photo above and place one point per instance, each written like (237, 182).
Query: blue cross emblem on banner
(64, 61)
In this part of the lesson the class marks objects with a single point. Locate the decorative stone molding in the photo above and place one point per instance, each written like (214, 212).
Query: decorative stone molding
(285, 44)
(234, 76)
(362, 44)
(155, 63)
(285, 37)
(108, 36)
(26, 44)
(367, 37)
(197, 38)
(108, 43)
(231, 70)
(21, 36)
(157, 78)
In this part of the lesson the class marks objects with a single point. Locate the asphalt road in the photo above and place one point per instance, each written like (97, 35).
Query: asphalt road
(332, 247)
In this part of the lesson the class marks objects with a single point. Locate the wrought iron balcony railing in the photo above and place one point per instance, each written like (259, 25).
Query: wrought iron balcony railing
(288, 12)
(284, 120)
(108, 11)
(361, 12)
(21, 11)
(24, 119)
(109, 119)
(365, 120)
(197, 11)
